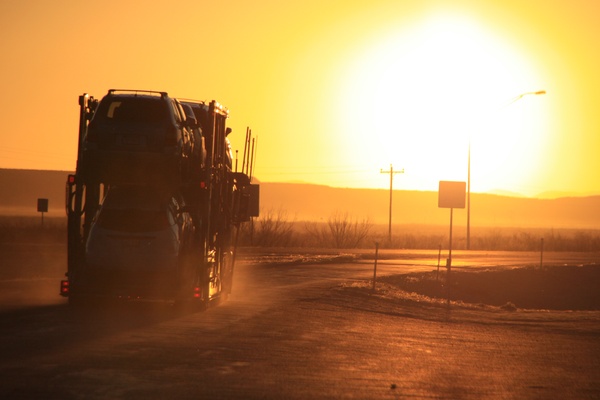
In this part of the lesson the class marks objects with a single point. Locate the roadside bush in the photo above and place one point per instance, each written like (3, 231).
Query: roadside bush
(30, 230)
(275, 229)
(271, 229)
(315, 235)
(340, 232)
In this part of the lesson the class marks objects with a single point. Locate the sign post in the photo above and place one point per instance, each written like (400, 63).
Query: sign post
(42, 207)
(451, 195)
(375, 265)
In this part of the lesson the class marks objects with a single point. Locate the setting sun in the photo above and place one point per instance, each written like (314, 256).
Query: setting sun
(418, 96)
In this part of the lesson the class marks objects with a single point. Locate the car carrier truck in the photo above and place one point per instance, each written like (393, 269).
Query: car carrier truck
(155, 203)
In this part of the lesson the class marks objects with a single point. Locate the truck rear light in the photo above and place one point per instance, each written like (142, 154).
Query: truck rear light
(196, 292)
(64, 288)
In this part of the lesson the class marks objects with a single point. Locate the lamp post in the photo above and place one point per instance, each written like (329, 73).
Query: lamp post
(514, 99)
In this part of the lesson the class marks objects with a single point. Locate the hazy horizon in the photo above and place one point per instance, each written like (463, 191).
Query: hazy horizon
(315, 202)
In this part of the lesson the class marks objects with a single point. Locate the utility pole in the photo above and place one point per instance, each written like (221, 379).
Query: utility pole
(391, 172)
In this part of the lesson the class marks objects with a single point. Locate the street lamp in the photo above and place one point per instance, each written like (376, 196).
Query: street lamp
(514, 99)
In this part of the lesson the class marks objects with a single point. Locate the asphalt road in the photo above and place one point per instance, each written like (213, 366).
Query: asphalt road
(301, 330)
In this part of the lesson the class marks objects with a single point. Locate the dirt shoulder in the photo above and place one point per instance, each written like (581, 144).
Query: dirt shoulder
(570, 282)
(550, 287)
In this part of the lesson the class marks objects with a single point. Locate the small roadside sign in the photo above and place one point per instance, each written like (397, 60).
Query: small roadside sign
(42, 207)
(452, 194)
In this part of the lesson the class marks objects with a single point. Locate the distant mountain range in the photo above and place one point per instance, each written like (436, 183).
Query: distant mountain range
(308, 202)
(316, 202)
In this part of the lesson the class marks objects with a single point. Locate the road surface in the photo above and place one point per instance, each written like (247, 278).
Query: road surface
(301, 330)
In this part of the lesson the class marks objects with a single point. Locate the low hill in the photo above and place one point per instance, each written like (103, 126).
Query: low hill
(316, 202)
(307, 202)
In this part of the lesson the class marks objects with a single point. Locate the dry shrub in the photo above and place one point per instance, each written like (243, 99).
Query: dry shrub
(31, 230)
(340, 232)
(275, 229)
(271, 229)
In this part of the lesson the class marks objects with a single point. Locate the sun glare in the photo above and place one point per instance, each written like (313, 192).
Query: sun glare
(419, 96)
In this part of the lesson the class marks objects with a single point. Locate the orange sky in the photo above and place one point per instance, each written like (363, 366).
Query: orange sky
(334, 91)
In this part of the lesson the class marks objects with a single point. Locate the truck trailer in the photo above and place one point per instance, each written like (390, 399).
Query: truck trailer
(154, 203)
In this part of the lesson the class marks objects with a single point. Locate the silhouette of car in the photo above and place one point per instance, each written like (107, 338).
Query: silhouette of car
(134, 133)
(139, 244)
(199, 110)
(199, 145)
